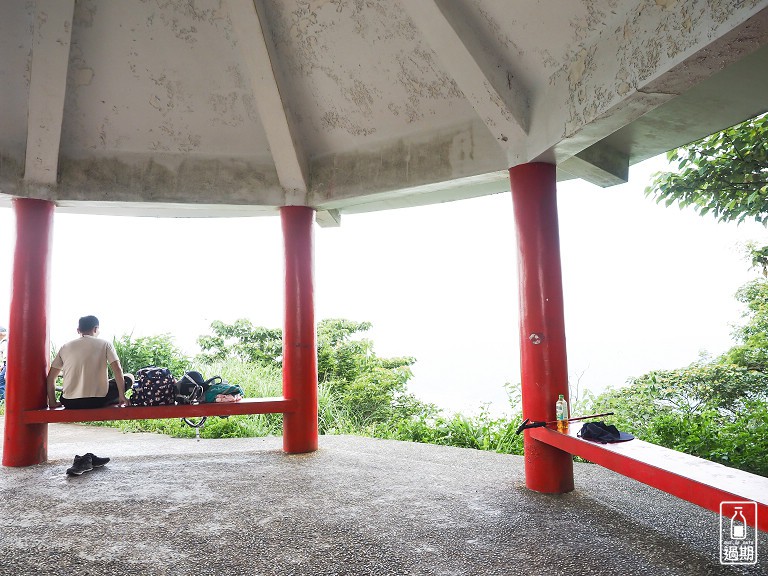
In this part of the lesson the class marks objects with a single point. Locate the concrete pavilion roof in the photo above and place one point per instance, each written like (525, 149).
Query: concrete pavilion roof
(237, 107)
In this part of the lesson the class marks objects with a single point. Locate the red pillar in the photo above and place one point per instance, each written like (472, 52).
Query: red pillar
(27, 444)
(299, 339)
(542, 325)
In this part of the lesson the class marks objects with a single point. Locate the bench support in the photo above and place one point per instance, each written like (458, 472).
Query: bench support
(25, 443)
(542, 326)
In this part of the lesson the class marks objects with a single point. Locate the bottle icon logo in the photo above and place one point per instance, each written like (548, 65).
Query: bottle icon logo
(738, 533)
(738, 525)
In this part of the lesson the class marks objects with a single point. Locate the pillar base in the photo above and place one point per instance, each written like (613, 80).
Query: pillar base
(547, 469)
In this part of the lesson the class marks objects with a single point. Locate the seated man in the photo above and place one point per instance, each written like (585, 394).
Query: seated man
(84, 363)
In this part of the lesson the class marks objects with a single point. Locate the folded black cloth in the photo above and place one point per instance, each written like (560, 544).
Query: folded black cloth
(603, 433)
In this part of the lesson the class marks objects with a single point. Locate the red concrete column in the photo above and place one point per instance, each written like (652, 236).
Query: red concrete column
(299, 337)
(542, 325)
(27, 444)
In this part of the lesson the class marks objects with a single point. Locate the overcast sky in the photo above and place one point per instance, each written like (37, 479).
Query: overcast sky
(646, 287)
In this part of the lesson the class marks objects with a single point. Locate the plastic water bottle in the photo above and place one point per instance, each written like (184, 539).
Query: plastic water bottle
(561, 414)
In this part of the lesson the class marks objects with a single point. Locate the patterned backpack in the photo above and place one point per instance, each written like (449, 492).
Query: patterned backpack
(153, 387)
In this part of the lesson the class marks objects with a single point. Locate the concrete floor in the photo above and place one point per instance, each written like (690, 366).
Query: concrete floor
(357, 506)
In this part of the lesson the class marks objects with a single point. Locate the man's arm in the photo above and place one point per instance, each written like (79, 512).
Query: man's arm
(50, 382)
(117, 370)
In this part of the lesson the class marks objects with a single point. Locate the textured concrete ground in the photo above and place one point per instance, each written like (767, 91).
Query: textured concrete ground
(355, 507)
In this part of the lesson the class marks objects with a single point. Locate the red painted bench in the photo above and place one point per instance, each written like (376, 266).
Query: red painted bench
(693, 479)
(245, 406)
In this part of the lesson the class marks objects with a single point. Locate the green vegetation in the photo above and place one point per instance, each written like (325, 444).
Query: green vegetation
(715, 409)
(725, 174)
(359, 392)
(135, 353)
(241, 341)
(256, 381)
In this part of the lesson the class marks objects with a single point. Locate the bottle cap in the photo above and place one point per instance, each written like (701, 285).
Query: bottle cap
(561, 397)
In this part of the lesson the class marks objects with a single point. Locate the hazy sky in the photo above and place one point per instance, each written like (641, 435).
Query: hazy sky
(646, 287)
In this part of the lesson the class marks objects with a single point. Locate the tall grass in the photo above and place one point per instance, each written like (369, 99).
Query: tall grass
(481, 432)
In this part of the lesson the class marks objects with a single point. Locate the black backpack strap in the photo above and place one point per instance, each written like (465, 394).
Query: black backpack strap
(185, 378)
(211, 381)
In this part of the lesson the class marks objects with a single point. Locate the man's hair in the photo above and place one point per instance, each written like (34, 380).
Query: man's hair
(87, 324)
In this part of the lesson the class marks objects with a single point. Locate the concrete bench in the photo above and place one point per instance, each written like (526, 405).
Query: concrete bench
(693, 479)
(244, 406)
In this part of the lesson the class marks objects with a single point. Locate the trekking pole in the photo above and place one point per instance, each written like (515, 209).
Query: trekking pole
(540, 424)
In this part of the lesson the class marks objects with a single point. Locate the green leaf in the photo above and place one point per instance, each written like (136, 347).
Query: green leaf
(721, 173)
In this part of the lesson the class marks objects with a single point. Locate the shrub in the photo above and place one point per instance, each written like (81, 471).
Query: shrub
(243, 341)
(135, 353)
(712, 410)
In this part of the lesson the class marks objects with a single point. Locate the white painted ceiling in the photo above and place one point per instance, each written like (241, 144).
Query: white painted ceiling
(229, 107)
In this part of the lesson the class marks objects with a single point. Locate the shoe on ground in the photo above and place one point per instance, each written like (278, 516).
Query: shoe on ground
(80, 465)
(96, 461)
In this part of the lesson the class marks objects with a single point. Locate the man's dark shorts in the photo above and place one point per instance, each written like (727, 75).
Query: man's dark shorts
(112, 397)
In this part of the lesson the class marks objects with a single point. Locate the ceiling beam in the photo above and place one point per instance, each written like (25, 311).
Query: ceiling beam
(498, 98)
(47, 89)
(600, 164)
(288, 157)
(328, 218)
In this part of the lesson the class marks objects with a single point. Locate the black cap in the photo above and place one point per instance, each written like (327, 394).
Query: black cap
(603, 433)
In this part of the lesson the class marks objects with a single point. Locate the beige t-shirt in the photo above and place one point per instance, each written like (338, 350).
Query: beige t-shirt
(84, 363)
